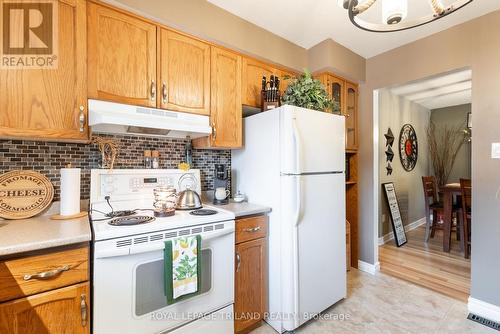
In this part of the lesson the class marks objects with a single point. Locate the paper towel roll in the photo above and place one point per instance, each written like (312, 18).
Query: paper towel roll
(70, 191)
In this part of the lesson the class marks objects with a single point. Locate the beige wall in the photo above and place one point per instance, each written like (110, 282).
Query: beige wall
(394, 112)
(209, 22)
(473, 44)
(456, 116)
(331, 56)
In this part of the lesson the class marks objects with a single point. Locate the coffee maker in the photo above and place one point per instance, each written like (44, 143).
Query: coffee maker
(221, 181)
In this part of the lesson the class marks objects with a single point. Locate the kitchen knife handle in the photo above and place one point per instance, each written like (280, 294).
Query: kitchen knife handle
(238, 262)
(153, 90)
(164, 92)
(81, 118)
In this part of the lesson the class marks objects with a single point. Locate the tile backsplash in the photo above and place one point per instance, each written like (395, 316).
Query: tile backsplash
(48, 157)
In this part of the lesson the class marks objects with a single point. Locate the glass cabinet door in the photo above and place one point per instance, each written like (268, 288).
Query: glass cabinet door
(351, 115)
(336, 92)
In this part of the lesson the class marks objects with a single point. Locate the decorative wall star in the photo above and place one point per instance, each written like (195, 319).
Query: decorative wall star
(389, 169)
(389, 154)
(389, 138)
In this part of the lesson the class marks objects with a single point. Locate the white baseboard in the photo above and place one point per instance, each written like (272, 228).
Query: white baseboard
(484, 309)
(409, 227)
(368, 267)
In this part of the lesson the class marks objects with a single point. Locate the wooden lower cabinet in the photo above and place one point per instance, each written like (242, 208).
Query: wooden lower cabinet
(250, 284)
(60, 311)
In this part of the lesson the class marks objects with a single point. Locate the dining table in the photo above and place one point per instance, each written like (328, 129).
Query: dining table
(448, 190)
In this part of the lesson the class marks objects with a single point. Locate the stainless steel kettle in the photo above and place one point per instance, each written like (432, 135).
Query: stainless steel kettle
(188, 199)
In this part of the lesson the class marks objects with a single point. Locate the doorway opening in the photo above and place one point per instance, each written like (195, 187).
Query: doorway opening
(423, 149)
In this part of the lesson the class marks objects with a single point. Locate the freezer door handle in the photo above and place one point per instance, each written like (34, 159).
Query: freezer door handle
(298, 146)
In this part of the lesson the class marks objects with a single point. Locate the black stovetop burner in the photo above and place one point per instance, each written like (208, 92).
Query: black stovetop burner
(120, 213)
(203, 212)
(131, 220)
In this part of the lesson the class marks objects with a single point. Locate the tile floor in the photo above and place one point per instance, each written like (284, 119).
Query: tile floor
(384, 304)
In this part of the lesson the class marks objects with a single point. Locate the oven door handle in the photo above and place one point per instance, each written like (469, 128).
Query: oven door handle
(156, 245)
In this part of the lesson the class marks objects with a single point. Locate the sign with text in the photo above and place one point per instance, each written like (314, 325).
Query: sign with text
(397, 222)
(24, 194)
(29, 34)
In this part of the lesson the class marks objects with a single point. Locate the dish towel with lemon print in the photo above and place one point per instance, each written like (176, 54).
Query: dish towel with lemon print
(182, 268)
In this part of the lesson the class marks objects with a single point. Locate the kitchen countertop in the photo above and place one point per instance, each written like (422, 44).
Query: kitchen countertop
(243, 209)
(23, 235)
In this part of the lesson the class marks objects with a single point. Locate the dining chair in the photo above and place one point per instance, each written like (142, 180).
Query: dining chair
(434, 207)
(466, 188)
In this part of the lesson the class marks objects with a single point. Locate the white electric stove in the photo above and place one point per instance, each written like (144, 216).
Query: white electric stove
(128, 292)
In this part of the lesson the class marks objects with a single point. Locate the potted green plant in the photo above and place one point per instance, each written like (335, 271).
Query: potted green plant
(307, 92)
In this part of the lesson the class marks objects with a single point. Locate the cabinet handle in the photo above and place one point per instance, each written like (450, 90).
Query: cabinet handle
(164, 92)
(214, 131)
(46, 274)
(238, 262)
(153, 90)
(81, 119)
(83, 309)
(252, 230)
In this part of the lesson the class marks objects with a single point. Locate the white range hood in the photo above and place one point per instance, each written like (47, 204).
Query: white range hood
(117, 118)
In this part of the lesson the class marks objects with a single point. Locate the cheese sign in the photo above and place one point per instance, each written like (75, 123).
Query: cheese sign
(24, 194)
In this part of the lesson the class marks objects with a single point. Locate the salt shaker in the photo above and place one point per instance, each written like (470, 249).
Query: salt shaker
(155, 160)
(148, 162)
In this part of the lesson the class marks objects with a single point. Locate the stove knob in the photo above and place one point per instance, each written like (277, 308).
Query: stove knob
(109, 189)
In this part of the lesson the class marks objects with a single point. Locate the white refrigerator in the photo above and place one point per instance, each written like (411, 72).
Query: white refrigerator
(293, 161)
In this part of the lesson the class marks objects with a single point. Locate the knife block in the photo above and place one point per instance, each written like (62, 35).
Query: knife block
(268, 105)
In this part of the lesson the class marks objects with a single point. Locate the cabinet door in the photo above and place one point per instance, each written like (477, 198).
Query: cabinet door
(252, 74)
(351, 116)
(283, 82)
(184, 74)
(49, 103)
(225, 106)
(250, 284)
(336, 90)
(122, 57)
(62, 311)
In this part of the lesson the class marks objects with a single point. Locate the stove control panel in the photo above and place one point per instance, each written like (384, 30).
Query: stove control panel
(138, 183)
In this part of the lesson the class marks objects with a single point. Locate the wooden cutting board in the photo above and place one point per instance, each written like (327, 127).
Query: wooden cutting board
(24, 194)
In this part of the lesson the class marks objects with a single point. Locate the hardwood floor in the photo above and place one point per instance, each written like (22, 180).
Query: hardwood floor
(427, 265)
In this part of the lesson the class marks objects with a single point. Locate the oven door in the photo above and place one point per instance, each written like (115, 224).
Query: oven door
(128, 295)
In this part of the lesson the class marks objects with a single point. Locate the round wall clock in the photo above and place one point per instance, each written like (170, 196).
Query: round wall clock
(408, 147)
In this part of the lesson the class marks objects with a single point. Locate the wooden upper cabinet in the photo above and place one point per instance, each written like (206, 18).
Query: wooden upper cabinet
(184, 73)
(50, 103)
(284, 83)
(122, 57)
(337, 92)
(351, 116)
(225, 102)
(65, 310)
(252, 73)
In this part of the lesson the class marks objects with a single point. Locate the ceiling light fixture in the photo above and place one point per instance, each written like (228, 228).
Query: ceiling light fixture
(394, 13)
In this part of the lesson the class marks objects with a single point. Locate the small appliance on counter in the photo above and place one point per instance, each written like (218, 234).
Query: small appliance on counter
(221, 194)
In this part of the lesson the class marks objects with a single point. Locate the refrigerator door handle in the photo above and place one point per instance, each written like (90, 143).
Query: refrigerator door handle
(298, 194)
(298, 146)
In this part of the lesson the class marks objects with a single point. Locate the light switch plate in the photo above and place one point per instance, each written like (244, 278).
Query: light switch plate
(495, 150)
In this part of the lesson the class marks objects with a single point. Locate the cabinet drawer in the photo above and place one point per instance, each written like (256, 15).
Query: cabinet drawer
(251, 228)
(60, 268)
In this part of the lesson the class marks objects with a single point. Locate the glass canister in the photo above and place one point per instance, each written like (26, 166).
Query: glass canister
(165, 199)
